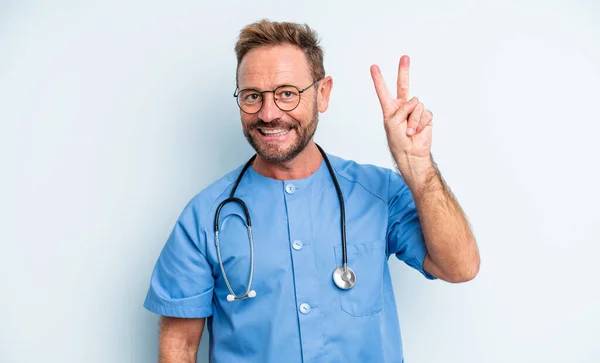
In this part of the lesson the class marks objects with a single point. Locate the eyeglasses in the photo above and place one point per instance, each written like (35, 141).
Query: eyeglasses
(286, 97)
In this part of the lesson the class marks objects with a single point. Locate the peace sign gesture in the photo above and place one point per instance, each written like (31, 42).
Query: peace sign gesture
(407, 123)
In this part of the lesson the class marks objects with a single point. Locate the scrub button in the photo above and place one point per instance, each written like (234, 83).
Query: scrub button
(304, 308)
(297, 245)
(290, 188)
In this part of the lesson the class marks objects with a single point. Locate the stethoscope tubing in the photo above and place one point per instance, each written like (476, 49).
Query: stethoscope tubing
(343, 276)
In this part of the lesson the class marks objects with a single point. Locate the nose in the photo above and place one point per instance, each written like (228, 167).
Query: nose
(269, 110)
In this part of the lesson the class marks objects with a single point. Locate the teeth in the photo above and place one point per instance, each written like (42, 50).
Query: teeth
(275, 132)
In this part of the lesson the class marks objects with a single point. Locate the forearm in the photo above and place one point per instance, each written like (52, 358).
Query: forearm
(176, 351)
(451, 248)
(179, 340)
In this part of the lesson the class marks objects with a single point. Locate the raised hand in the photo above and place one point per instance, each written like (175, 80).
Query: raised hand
(452, 253)
(407, 122)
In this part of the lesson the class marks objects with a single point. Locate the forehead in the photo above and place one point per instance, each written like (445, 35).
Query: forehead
(271, 66)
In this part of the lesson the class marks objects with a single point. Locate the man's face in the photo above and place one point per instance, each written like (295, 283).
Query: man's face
(276, 135)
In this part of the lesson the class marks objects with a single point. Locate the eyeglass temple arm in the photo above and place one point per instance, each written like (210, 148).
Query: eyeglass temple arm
(312, 84)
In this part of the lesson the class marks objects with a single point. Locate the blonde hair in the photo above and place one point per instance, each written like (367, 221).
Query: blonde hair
(270, 33)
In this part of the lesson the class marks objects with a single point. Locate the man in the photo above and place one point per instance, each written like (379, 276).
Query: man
(271, 295)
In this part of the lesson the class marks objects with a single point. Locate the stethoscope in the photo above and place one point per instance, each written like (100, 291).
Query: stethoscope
(343, 276)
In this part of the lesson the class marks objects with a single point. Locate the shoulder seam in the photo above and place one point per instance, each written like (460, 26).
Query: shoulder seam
(359, 183)
(214, 200)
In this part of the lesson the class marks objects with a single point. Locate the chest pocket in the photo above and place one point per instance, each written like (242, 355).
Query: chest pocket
(367, 261)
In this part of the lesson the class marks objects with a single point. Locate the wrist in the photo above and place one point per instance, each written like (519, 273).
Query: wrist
(419, 173)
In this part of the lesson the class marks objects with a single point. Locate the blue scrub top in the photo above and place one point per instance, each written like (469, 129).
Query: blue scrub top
(298, 314)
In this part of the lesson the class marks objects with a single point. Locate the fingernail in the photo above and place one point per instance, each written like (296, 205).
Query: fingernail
(411, 131)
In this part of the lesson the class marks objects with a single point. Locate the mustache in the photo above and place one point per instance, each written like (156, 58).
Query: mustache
(275, 124)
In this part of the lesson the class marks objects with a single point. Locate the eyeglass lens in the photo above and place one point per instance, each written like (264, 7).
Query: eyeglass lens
(286, 98)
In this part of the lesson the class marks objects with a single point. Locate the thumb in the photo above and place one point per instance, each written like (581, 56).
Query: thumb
(405, 110)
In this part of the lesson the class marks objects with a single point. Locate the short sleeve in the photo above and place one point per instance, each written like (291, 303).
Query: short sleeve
(182, 282)
(404, 234)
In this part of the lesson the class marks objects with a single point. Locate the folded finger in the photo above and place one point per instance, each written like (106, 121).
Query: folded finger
(426, 118)
(414, 119)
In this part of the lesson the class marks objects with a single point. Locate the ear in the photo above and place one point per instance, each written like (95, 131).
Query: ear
(323, 93)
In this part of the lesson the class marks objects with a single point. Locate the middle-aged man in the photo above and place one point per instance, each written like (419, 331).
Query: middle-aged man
(310, 282)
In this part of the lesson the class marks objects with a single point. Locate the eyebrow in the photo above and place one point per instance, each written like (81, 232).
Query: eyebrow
(277, 86)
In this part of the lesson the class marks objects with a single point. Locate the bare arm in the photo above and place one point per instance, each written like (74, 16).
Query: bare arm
(452, 253)
(179, 339)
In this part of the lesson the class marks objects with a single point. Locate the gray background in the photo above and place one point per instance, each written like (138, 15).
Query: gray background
(115, 113)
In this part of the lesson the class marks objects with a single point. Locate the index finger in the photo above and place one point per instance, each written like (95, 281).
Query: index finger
(383, 93)
(403, 77)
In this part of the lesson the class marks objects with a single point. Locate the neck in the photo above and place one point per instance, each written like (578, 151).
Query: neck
(302, 166)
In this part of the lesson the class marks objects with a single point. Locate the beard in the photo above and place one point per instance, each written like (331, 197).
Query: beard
(277, 153)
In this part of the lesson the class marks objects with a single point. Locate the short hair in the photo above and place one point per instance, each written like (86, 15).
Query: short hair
(271, 33)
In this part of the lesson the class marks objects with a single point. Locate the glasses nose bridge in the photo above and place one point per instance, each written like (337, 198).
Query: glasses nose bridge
(264, 99)
(262, 94)
(267, 111)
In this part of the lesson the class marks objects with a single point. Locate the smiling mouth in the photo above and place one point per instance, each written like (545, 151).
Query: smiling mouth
(273, 132)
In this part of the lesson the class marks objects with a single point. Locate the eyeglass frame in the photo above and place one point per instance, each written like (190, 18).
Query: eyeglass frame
(237, 92)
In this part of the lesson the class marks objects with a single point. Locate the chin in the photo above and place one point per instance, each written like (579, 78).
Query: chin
(277, 153)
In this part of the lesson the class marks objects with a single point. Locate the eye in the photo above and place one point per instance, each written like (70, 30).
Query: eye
(249, 96)
(287, 94)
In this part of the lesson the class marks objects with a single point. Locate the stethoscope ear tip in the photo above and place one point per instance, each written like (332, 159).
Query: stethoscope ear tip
(252, 293)
(230, 297)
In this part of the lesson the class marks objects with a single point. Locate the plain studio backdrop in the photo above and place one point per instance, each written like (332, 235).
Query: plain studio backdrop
(114, 114)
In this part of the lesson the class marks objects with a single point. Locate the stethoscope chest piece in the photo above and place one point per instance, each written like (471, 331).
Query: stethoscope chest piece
(344, 279)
